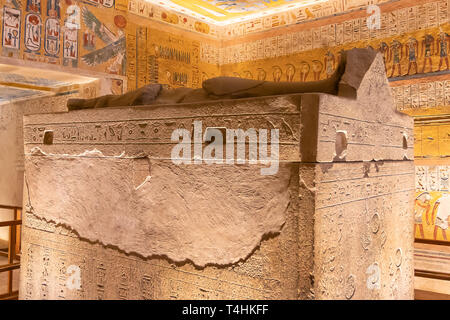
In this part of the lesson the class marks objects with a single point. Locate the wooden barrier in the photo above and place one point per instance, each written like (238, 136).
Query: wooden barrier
(13, 251)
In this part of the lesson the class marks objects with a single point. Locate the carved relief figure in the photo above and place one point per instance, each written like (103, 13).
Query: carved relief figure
(411, 50)
(427, 51)
(442, 49)
(396, 56)
(11, 28)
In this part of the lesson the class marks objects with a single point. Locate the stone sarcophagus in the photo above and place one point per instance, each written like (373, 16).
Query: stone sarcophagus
(302, 196)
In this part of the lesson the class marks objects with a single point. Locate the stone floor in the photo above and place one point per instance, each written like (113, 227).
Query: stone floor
(4, 277)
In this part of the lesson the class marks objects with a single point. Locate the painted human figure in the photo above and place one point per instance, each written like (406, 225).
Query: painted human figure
(304, 71)
(317, 67)
(396, 56)
(384, 50)
(442, 48)
(329, 62)
(427, 51)
(411, 50)
(441, 214)
(421, 206)
(290, 72)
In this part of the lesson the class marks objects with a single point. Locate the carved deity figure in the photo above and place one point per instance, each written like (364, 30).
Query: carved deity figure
(442, 49)
(396, 56)
(427, 51)
(411, 49)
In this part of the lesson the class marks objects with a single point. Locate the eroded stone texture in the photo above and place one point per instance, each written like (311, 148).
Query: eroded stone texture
(345, 81)
(363, 243)
(207, 214)
(341, 203)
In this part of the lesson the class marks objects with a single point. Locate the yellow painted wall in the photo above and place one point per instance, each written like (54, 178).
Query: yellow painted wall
(420, 77)
(103, 39)
(147, 45)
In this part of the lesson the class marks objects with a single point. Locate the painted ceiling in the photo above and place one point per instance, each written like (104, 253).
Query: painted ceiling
(19, 83)
(9, 94)
(223, 12)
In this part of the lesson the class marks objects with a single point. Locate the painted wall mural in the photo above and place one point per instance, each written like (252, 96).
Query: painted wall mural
(432, 203)
(104, 36)
(235, 18)
(304, 13)
(414, 40)
(112, 49)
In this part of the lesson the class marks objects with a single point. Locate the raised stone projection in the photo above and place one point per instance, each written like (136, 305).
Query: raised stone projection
(333, 222)
(345, 81)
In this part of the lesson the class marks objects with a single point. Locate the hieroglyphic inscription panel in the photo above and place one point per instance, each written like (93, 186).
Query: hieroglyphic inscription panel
(363, 240)
(50, 251)
(348, 229)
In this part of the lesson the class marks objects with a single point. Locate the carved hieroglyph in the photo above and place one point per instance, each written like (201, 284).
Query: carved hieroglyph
(335, 222)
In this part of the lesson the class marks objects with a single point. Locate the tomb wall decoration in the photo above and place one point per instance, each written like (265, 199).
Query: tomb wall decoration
(414, 39)
(115, 38)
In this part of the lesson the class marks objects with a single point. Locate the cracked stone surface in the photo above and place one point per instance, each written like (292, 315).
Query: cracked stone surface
(184, 212)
